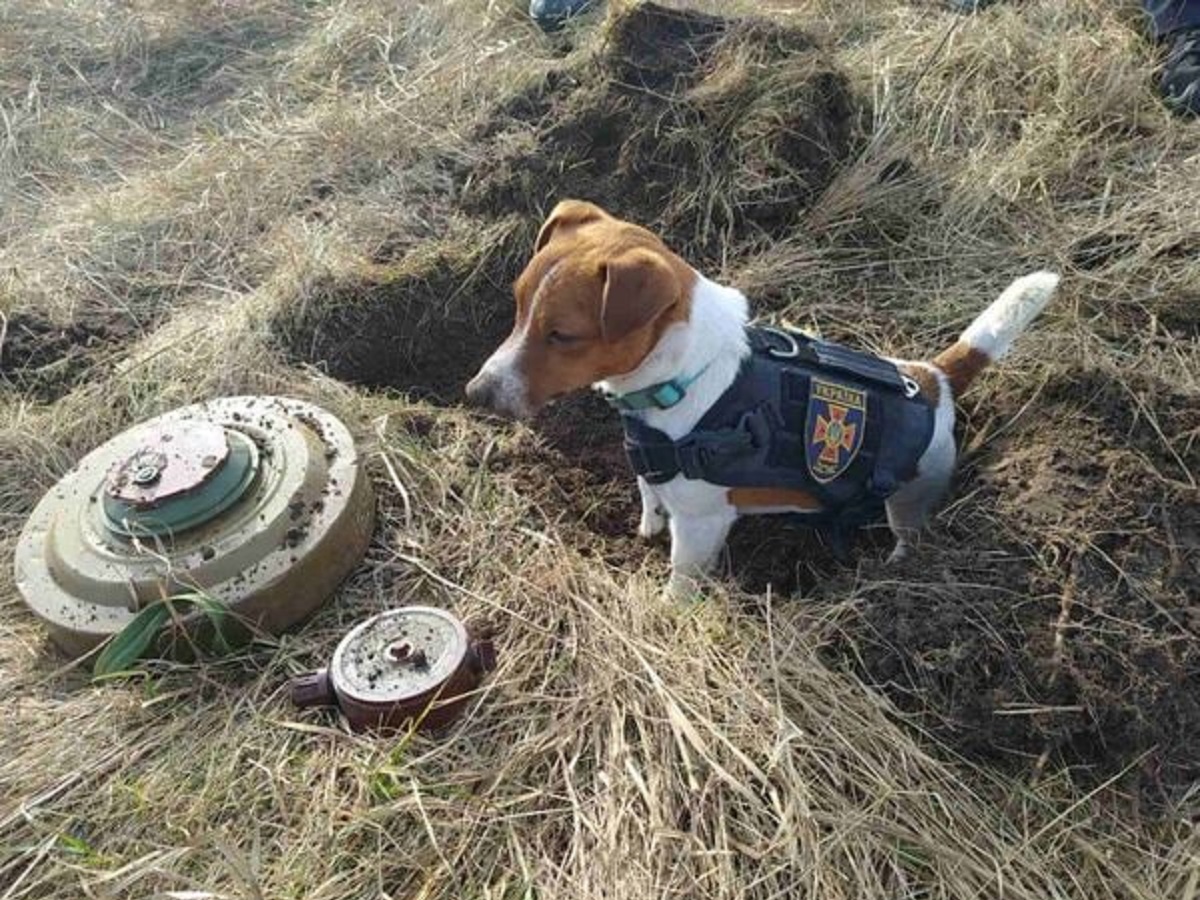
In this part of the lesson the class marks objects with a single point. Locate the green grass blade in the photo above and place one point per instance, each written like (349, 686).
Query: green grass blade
(126, 647)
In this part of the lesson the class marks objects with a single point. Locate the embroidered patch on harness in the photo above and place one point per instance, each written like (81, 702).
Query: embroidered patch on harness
(837, 420)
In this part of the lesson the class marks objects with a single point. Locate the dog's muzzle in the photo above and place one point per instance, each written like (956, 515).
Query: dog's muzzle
(498, 393)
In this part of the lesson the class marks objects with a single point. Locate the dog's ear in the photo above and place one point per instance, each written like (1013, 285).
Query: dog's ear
(566, 215)
(639, 286)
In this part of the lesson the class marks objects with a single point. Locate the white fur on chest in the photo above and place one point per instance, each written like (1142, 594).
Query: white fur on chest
(714, 336)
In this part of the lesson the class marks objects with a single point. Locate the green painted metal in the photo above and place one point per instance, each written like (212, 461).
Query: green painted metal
(173, 516)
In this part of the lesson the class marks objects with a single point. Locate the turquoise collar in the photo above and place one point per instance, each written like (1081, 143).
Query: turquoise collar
(663, 395)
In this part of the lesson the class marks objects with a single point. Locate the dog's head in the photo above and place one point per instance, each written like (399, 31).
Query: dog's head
(591, 304)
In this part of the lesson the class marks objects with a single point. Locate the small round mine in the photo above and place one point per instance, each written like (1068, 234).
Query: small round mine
(395, 657)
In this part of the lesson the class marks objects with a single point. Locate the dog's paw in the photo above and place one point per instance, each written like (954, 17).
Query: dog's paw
(684, 589)
(901, 552)
(652, 523)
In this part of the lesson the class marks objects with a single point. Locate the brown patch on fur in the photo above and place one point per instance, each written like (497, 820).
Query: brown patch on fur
(566, 216)
(751, 498)
(926, 379)
(962, 363)
(589, 269)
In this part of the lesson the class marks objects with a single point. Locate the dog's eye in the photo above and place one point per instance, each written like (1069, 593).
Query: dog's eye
(560, 338)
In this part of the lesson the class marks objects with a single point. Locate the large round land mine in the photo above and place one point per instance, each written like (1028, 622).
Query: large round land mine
(260, 503)
(412, 665)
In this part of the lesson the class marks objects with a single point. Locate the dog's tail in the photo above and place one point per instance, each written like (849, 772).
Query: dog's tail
(989, 337)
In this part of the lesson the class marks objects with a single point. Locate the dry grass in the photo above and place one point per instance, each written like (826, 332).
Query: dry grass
(187, 191)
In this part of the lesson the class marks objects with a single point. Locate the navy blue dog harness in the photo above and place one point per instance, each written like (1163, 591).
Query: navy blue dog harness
(845, 426)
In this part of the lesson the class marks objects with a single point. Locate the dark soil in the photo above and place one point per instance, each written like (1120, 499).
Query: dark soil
(45, 359)
(422, 325)
(1081, 507)
(579, 473)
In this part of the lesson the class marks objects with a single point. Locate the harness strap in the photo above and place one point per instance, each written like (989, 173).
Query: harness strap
(697, 455)
(783, 345)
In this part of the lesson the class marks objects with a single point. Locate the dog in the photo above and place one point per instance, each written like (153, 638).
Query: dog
(605, 303)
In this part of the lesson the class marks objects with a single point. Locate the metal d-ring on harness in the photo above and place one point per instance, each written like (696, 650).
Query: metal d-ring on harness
(845, 426)
(792, 348)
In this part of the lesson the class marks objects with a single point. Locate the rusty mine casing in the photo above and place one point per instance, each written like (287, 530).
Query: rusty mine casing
(412, 665)
(260, 503)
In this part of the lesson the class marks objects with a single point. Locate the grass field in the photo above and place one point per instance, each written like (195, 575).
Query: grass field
(330, 200)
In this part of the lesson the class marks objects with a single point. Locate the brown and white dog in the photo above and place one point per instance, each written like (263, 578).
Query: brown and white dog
(605, 303)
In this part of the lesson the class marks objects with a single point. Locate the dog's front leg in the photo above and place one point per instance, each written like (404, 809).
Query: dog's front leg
(654, 519)
(695, 543)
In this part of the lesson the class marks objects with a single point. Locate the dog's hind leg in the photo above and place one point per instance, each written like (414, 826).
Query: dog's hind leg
(908, 510)
(909, 507)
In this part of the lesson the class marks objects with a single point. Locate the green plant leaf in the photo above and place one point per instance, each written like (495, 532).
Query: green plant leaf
(126, 647)
(217, 613)
(75, 845)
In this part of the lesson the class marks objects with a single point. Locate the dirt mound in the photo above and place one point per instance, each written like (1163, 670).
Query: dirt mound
(698, 125)
(1060, 618)
(46, 359)
(577, 472)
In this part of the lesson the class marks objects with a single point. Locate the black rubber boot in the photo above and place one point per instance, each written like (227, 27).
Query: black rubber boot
(1180, 83)
(553, 14)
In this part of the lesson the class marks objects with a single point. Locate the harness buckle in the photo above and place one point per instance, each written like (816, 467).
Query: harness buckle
(911, 388)
(693, 458)
(639, 459)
